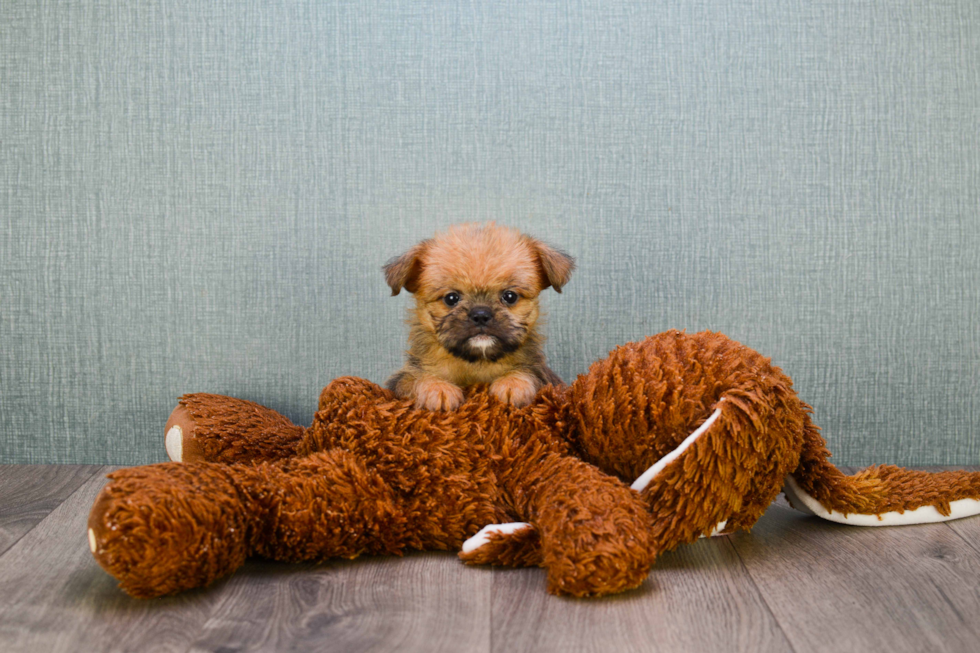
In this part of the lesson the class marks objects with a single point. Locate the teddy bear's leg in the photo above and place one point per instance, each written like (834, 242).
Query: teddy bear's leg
(214, 428)
(593, 529)
(721, 477)
(165, 528)
(159, 529)
(329, 504)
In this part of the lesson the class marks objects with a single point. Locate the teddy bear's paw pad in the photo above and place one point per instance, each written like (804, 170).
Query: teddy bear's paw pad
(515, 544)
(179, 438)
(716, 531)
(483, 536)
(175, 442)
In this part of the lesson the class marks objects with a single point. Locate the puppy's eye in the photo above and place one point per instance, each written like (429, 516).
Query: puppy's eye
(451, 299)
(509, 297)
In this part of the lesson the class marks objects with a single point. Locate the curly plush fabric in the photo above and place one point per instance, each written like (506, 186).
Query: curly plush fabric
(705, 429)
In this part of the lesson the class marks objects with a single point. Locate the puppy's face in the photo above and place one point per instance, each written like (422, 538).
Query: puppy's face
(476, 287)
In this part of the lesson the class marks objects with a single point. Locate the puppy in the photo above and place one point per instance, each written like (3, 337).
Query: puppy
(476, 314)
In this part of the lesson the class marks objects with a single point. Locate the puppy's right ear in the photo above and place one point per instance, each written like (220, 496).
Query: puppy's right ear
(403, 271)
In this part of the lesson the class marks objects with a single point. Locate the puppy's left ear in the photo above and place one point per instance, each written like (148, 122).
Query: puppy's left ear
(556, 265)
(403, 271)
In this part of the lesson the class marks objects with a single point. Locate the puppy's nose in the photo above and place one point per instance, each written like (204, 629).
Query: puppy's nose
(481, 315)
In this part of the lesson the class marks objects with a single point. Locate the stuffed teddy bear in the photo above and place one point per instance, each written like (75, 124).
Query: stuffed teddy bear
(705, 429)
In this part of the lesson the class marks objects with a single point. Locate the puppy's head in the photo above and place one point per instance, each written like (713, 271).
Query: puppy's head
(476, 287)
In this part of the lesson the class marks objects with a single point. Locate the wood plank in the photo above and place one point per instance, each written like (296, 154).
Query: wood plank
(968, 530)
(55, 597)
(28, 493)
(422, 602)
(697, 598)
(844, 588)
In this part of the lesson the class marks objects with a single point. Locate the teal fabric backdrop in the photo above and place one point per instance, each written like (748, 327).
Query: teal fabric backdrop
(198, 196)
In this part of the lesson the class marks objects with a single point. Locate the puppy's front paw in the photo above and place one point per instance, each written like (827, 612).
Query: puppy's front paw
(435, 394)
(517, 389)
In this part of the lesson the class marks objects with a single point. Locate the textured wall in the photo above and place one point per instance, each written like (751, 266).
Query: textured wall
(198, 196)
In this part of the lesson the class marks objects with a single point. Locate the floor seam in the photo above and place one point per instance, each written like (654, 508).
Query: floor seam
(493, 586)
(762, 596)
(962, 537)
(30, 530)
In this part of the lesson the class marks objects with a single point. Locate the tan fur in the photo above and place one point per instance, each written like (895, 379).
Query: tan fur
(435, 394)
(478, 262)
(516, 388)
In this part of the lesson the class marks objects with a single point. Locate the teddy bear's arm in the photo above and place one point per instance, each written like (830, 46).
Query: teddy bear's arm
(592, 529)
(215, 428)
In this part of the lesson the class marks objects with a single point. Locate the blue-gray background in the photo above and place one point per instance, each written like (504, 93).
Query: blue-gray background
(197, 196)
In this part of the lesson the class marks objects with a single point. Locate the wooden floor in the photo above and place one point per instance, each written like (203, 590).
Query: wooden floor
(794, 583)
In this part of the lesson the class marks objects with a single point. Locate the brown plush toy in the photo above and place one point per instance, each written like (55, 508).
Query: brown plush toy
(705, 429)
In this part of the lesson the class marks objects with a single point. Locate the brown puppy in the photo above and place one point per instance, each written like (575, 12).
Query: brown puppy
(476, 312)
